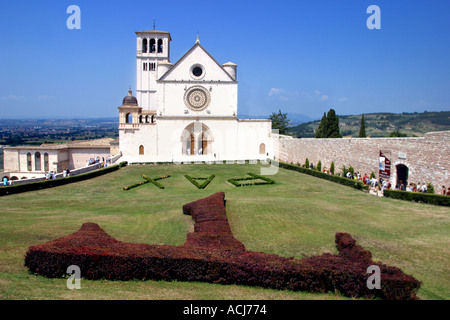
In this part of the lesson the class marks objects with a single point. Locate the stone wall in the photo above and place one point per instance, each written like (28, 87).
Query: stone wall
(427, 158)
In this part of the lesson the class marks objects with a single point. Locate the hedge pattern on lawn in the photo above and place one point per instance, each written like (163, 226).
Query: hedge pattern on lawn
(250, 181)
(203, 185)
(212, 254)
(436, 199)
(147, 180)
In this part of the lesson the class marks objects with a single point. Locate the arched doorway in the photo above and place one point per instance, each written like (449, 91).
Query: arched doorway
(197, 139)
(402, 175)
(141, 150)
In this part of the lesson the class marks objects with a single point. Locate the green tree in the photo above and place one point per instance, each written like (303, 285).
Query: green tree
(321, 131)
(397, 133)
(333, 125)
(319, 166)
(279, 121)
(430, 188)
(332, 167)
(344, 170)
(351, 170)
(306, 163)
(329, 126)
(362, 129)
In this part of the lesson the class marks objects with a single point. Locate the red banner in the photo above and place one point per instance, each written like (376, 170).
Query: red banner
(385, 166)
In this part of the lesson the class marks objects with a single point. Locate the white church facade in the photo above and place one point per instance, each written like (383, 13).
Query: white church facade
(186, 111)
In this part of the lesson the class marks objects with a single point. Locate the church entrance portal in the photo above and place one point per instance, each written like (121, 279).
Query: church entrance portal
(402, 175)
(197, 139)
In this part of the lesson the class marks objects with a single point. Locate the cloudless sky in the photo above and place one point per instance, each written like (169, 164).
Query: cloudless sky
(300, 56)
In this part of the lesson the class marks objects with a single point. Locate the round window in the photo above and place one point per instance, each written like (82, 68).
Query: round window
(197, 98)
(197, 71)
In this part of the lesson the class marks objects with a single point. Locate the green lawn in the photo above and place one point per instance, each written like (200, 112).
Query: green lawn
(297, 216)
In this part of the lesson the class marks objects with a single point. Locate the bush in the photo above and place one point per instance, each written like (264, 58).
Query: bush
(319, 166)
(332, 167)
(212, 254)
(436, 199)
(155, 180)
(342, 180)
(198, 185)
(147, 180)
(239, 182)
(57, 182)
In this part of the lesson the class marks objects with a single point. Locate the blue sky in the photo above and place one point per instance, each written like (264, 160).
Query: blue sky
(302, 56)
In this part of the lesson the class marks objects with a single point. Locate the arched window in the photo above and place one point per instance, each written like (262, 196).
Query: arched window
(128, 118)
(141, 150)
(144, 45)
(160, 46)
(45, 161)
(152, 46)
(262, 148)
(153, 119)
(140, 119)
(37, 161)
(29, 162)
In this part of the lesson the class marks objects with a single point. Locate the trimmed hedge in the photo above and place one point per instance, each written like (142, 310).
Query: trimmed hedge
(155, 180)
(337, 179)
(58, 182)
(436, 199)
(239, 182)
(147, 180)
(198, 185)
(212, 254)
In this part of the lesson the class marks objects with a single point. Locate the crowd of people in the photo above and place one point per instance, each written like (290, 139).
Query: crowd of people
(103, 162)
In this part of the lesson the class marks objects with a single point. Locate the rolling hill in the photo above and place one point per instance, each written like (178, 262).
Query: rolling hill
(381, 124)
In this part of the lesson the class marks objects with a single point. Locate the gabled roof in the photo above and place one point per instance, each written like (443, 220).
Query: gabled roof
(197, 44)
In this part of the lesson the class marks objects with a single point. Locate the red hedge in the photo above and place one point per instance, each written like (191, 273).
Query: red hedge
(212, 254)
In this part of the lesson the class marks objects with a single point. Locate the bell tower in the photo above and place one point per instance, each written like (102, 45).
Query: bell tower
(153, 49)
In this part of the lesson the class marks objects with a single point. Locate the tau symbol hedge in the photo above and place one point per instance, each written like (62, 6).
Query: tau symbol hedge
(212, 254)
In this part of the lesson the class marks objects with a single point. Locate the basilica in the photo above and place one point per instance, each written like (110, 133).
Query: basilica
(186, 111)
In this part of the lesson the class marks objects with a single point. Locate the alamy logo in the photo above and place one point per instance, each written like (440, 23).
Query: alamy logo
(374, 21)
(74, 281)
(74, 21)
(374, 281)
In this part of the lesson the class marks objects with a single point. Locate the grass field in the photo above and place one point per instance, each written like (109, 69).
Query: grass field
(297, 216)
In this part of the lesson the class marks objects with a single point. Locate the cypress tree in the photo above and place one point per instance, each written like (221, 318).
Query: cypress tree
(333, 125)
(322, 129)
(362, 130)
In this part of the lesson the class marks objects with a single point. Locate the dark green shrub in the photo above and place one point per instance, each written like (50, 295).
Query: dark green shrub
(239, 182)
(435, 199)
(198, 185)
(332, 167)
(154, 180)
(337, 179)
(56, 182)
